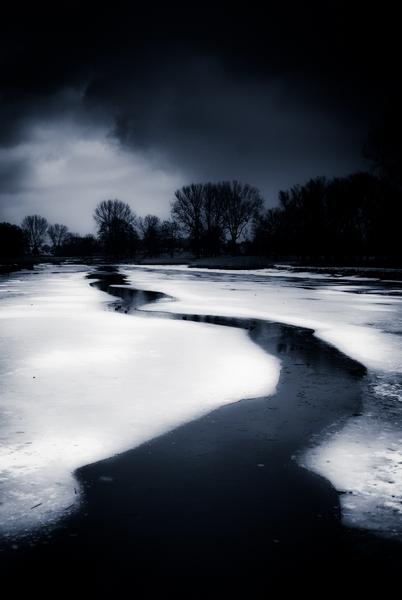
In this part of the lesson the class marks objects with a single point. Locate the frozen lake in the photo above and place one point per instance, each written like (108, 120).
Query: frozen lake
(80, 383)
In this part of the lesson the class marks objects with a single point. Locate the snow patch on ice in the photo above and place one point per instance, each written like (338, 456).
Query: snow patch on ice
(357, 322)
(364, 458)
(80, 383)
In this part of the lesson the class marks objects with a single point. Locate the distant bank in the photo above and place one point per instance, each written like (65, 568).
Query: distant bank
(373, 268)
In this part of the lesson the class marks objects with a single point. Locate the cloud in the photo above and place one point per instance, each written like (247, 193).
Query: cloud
(65, 172)
(133, 105)
(196, 114)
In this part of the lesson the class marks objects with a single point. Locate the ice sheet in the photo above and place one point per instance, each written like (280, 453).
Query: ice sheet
(363, 319)
(80, 383)
(360, 320)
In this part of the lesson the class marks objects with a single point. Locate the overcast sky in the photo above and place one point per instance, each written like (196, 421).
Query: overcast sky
(120, 103)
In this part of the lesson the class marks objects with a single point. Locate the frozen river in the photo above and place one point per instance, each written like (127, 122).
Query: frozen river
(80, 383)
(362, 317)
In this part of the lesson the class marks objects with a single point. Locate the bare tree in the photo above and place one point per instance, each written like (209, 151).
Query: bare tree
(116, 226)
(170, 236)
(242, 204)
(187, 211)
(213, 212)
(147, 223)
(35, 228)
(108, 212)
(58, 235)
(150, 227)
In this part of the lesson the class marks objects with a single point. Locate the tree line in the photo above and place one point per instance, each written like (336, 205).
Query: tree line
(346, 218)
(355, 218)
(206, 219)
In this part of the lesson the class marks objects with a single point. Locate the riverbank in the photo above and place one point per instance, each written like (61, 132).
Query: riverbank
(227, 262)
(17, 264)
(13, 265)
(223, 496)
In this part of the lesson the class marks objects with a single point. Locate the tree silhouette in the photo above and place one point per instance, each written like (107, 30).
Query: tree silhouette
(242, 203)
(344, 219)
(213, 218)
(58, 235)
(77, 245)
(12, 240)
(187, 211)
(206, 211)
(116, 227)
(35, 228)
(150, 227)
(170, 239)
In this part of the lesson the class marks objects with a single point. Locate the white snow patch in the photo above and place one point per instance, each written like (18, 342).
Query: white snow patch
(358, 323)
(364, 322)
(81, 383)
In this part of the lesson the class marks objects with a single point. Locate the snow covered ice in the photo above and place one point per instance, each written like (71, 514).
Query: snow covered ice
(81, 383)
(360, 316)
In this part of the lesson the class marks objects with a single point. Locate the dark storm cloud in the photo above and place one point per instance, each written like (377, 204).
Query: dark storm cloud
(12, 173)
(216, 125)
(272, 95)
